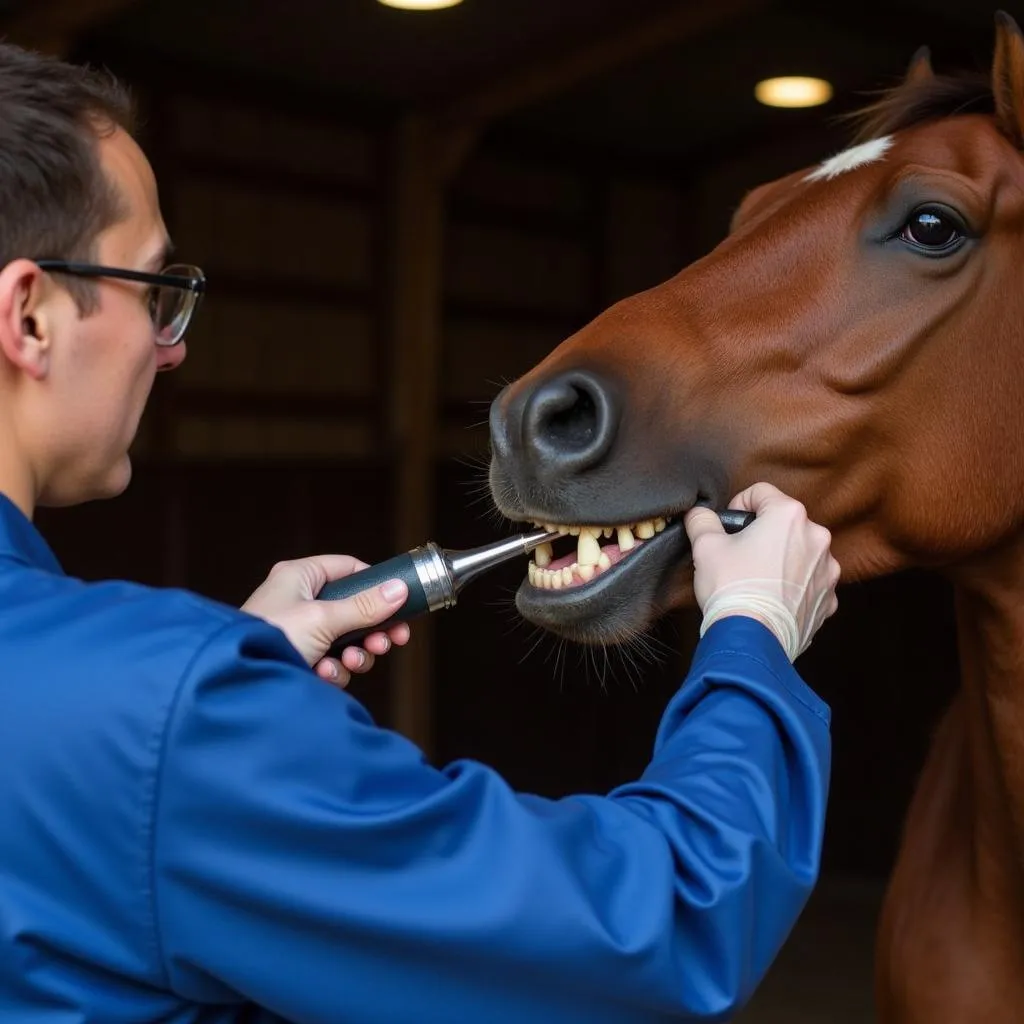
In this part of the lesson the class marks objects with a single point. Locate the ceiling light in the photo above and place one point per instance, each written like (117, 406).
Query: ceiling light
(793, 92)
(420, 5)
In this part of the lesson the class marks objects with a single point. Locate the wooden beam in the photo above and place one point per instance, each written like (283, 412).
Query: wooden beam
(52, 26)
(354, 410)
(489, 213)
(222, 402)
(236, 173)
(287, 290)
(962, 26)
(478, 106)
(560, 322)
(247, 89)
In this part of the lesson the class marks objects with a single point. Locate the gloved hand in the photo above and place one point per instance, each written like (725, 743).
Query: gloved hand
(779, 570)
(287, 599)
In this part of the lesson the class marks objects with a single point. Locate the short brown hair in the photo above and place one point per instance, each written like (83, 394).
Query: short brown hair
(54, 196)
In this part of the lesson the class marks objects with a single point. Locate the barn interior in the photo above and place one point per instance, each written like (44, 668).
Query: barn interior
(398, 212)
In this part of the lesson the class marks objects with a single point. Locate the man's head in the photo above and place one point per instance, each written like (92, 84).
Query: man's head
(78, 351)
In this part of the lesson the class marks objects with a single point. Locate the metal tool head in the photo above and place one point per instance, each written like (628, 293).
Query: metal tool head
(534, 539)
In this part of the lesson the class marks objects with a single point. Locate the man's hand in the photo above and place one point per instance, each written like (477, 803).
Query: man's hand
(287, 599)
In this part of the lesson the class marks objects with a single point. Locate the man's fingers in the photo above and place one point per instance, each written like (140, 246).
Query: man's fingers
(356, 660)
(377, 643)
(700, 521)
(380, 643)
(758, 497)
(332, 671)
(400, 634)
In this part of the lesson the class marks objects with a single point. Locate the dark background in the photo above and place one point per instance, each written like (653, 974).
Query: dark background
(623, 135)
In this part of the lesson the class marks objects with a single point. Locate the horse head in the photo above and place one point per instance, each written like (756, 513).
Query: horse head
(857, 339)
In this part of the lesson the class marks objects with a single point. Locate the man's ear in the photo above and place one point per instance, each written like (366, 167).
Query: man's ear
(26, 319)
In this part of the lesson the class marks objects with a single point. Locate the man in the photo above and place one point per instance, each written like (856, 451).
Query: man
(195, 828)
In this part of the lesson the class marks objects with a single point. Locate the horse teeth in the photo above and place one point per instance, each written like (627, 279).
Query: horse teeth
(586, 572)
(556, 580)
(588, 549)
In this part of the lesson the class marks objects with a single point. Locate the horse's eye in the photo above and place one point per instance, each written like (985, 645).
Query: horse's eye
(933, 230)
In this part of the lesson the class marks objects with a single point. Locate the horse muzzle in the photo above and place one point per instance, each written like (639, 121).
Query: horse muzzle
(559, 458)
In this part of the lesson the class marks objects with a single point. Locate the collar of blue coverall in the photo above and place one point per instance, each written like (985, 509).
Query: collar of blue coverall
(20, 540)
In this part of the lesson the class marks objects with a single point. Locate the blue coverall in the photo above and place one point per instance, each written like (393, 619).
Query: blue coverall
(193, 827)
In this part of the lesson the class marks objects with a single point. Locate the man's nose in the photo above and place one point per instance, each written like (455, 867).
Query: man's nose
(170, 357)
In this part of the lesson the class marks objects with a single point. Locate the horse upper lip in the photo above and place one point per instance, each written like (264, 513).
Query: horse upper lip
(538, 517)
(591, 524)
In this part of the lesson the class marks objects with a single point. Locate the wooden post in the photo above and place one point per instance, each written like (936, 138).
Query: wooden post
(427, 148)
(415, 313)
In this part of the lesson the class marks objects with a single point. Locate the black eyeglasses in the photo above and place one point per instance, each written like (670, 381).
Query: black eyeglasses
(173, 295)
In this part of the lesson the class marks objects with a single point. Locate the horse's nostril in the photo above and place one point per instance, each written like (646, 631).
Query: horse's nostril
(570, 421)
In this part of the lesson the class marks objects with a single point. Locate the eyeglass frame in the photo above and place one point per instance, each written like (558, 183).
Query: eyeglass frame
(195, 285)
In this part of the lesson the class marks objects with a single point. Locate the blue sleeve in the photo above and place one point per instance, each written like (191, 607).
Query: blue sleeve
(313, 863)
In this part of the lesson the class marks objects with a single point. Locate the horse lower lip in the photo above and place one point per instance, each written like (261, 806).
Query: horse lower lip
(627, 590)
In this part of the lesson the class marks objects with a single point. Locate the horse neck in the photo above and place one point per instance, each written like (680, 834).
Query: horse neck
(990, 633)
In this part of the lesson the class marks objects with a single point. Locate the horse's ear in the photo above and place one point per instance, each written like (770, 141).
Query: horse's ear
(920, 69)
(1008, 78)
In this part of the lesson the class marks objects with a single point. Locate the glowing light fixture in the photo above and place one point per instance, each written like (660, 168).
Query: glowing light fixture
(793, 91)
(420, 5)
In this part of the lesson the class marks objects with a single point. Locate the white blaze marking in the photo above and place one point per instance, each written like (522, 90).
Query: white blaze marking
(857, 156)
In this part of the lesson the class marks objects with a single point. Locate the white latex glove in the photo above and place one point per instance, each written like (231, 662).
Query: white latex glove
(779, 570)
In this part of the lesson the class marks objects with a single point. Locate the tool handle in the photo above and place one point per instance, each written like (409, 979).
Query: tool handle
(401, 567)
(735, 519)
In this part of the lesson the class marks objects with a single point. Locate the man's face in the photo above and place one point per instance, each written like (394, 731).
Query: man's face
(103, 364)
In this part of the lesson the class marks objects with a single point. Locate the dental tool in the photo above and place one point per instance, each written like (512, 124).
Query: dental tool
(436, 576)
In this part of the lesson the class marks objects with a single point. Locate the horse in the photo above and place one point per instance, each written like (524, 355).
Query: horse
(856, 339)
